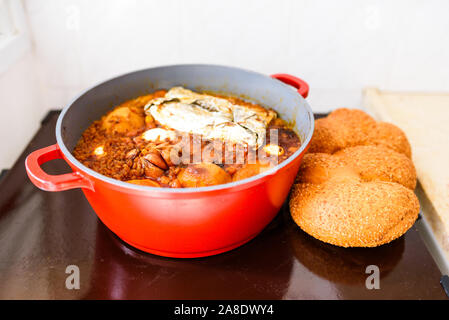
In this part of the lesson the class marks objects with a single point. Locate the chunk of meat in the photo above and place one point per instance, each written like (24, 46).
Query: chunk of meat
(123, 120)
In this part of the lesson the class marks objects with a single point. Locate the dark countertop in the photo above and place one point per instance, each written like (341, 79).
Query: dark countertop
(42, 233)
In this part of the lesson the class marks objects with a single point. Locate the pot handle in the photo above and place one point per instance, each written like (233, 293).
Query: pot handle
(49, 182)
(301, 85)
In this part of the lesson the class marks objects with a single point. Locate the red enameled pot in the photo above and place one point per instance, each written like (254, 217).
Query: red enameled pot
(190, 222)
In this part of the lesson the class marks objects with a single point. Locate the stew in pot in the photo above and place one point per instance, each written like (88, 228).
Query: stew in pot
(180, 138)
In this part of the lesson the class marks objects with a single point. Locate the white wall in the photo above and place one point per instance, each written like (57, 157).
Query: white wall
(20, 107)
(339, 47)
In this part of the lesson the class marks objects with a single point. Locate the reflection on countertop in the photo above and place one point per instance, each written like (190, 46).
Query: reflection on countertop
(43, 232)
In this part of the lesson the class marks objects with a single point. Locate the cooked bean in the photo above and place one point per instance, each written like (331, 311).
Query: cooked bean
(132, 154)
(155, 158)
(166, 154)
(151, 171)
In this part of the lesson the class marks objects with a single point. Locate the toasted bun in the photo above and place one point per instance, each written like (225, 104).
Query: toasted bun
(365, 163)
(388, 135)
(321, 167)
(379, 163)
(355, 187)
(353, 213)
(345, 128)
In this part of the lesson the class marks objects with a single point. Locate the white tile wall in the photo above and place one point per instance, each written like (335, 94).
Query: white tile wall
(339, 47)
(21, 109)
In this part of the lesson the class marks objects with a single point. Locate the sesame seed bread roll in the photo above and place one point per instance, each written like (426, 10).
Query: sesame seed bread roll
(379, 163)
(355, 186)
(388, 135)
(366, 163)
(345, 128)
(354, 213)
(341, 129)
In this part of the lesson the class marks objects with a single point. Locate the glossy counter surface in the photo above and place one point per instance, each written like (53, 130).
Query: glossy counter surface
(42, 233)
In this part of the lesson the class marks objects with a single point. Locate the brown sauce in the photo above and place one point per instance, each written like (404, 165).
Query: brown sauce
(113, 146)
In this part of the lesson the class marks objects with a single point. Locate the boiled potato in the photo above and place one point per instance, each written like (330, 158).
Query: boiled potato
(251, 169)
(123, 120)
(202, 175)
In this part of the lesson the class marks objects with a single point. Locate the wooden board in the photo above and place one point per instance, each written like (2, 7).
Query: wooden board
(425, 120)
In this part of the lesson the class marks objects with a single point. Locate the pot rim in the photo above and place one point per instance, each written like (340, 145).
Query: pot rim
(241, 183)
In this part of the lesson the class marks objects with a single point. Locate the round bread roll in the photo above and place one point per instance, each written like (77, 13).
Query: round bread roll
(354, 187)
(364, 163)
(379, 163)
(388, 135)
(322, 167)
(354, 213)
(341, 129)
(345, 128)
